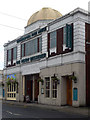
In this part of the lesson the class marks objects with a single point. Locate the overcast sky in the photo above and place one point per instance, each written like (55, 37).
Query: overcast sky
(14, 15)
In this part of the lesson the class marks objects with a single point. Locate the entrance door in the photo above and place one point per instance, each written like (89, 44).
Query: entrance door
(69, 92)
(36, 90)
(29, 88)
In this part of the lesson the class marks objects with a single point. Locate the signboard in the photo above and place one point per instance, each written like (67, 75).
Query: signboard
(38, 57)
(30, 35)
(11, 77)
(75, 94)
(34, 58)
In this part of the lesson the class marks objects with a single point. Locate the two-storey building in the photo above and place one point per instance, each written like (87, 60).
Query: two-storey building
(1, 85)
(50, 62)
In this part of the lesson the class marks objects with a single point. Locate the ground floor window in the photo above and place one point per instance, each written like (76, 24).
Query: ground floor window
(54, 89)
(47, 81)
(11, 91)
(50, 87)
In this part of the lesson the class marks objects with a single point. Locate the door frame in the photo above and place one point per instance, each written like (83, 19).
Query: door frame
(69, 91)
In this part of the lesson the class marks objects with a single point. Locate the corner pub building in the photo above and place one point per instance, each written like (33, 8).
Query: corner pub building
(51, 61)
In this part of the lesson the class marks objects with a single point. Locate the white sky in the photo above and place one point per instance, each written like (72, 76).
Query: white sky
(24, 9)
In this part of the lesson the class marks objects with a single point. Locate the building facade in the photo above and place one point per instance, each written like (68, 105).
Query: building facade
(1, 85)
(50, 62)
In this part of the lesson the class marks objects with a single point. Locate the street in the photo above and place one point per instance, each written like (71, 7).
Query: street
(17, 111)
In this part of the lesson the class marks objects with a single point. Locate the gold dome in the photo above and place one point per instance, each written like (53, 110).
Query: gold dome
(44, 14)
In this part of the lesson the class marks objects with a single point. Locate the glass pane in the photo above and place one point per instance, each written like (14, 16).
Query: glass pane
(53, 39)
(8, 88)
(40, 44)
(14, 53)
(47, 79)
(47, 93)
(31, 48)
(14, 95)
(64, 35)
(35, 45)
(55, 85)
(22, 50)
(9, 55)
(54, 89)
(55, 93)
(27, 49)
(47, 86)
(12, 87)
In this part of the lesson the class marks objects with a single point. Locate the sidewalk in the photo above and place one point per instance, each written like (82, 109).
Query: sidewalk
(68, 109)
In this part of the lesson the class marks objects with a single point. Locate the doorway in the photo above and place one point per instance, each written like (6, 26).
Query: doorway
(29, 87)
(32, 86)
(36, 90)
(69, 91)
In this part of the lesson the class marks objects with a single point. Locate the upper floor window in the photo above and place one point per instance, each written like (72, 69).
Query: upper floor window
(64, 35)
(31, 47)
(27, 48)
(67, 37)
(53, 39)
(14, 53)
(22, 50)
(40, 44)
(9, 55)
(34, 46)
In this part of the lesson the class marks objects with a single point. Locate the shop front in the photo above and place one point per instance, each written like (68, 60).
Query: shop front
(31, 87)
(12, 87)
(63, 85)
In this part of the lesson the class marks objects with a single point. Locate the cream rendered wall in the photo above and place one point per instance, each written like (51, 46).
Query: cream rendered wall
(5, 58)
(61, 71)
(63, 91)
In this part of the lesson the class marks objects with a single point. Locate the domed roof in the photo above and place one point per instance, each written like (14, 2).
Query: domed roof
(44, 14)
